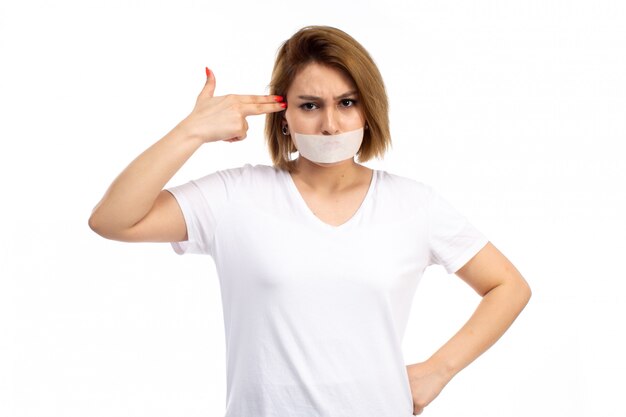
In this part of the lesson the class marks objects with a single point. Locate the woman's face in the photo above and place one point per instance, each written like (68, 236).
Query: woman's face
(322, 101)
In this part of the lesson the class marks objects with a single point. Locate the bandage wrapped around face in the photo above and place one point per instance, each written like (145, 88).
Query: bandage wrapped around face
(329, 148)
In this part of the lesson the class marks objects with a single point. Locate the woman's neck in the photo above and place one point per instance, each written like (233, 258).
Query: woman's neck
(329, 179)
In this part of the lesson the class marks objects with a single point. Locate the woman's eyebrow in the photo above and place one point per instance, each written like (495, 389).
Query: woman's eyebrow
(344, 95)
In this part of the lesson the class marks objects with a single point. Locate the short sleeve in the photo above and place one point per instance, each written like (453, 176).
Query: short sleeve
(453, 240)
(202, 201)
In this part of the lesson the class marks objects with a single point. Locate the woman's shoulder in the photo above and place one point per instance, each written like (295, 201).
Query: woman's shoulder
(249, 170)
(397, 183)
(261, 171)
(247, 175)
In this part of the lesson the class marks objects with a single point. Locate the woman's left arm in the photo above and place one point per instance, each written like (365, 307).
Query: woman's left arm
(504, 293)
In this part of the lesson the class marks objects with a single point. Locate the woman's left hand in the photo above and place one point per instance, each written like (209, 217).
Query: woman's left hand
(426, 382)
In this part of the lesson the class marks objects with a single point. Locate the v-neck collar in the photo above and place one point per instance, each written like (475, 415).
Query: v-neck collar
(304, 208)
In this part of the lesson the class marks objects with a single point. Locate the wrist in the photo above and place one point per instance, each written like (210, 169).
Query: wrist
(184, 130)
(442, 366)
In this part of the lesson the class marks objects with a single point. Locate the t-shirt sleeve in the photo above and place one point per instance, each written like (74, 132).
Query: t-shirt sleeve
(202, 201)
(453, 240)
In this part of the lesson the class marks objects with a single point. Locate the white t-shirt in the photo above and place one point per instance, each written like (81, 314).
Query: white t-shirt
(315, 314)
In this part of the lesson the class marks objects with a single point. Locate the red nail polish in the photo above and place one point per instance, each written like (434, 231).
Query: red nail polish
(208, 72)
(283, 105)
(278, 98)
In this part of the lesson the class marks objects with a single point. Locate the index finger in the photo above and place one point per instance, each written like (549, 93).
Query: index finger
(257, 99)
(249, 109)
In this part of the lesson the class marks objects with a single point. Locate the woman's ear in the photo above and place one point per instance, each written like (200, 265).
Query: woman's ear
(283, 123)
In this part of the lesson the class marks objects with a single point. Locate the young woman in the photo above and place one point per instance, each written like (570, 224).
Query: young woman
(319, 256)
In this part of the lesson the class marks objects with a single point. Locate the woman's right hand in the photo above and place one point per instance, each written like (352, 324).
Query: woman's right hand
(224, 117)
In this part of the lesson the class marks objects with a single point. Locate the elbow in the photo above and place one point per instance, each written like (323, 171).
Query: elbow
(524, 291)
(108, 231)
(93, 225)
(98, 228)
(518, 291)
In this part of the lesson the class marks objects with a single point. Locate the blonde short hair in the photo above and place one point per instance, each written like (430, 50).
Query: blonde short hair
(332, 47)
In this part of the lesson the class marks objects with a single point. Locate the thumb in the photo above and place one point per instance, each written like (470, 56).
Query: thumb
(209, 86)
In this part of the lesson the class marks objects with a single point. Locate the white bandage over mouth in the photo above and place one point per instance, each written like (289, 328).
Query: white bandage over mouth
(329, 148)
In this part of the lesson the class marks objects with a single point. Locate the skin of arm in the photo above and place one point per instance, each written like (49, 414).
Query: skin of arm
(133, 193)
(504, 294)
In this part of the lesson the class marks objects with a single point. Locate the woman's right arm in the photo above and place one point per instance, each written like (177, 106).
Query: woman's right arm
(135, 208)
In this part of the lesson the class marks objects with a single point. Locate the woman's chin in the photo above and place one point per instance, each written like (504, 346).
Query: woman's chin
(327, 164)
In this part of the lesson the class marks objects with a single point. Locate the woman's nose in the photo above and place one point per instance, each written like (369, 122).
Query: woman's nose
(330, 122)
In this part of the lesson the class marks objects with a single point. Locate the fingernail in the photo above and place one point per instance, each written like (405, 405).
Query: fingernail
(208, 72)
(283, 105)
(278, 98)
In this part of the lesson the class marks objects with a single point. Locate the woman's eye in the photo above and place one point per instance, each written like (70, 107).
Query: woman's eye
(308, 106)
(348, 102)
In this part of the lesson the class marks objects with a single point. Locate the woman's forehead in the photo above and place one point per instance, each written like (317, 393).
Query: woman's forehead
(321, 81)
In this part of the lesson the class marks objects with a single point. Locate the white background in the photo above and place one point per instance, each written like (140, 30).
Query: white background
(513, 110)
